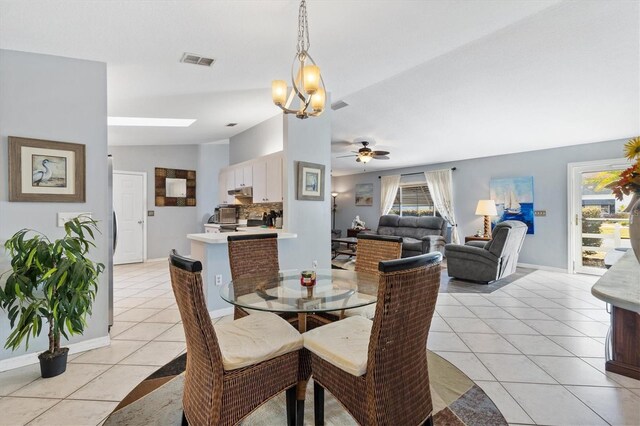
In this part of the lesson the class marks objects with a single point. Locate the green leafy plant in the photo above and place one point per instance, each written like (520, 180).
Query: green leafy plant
(50, 281)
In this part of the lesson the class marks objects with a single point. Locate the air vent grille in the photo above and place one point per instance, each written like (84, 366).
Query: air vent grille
(192, 58)
(232, 124)
(339, 104)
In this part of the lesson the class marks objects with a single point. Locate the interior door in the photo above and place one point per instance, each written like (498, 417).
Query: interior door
(129, 205)
(598, 223)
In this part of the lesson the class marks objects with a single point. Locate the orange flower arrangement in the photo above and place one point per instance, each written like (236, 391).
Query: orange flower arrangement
(629, 181)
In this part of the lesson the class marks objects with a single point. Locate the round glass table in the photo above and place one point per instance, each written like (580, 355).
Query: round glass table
(335, 290)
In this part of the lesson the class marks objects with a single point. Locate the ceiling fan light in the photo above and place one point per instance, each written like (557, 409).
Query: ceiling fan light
(311, 78)
(279, 92)
(318, 100)
(365, 158)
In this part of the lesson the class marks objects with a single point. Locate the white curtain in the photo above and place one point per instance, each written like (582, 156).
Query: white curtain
(441, 189)
(388, 189)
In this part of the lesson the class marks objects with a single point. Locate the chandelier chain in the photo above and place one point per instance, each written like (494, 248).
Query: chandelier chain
(303, 29)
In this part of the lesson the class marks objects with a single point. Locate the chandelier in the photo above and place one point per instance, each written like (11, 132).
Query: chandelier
(308, 85)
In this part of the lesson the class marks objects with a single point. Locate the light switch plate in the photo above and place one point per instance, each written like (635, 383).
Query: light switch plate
(64, 217)
(151, 212)
(539, 212)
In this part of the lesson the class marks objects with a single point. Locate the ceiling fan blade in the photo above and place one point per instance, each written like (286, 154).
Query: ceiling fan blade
(380, 157)
(381, 153)
(350, 155)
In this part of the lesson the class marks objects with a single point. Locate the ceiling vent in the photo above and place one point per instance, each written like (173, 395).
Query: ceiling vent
(339, 104)
(232, 124)
(192, 58)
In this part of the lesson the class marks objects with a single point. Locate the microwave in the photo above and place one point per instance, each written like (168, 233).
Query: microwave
(224, 214)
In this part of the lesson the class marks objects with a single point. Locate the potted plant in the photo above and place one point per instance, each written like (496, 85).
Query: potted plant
(53, 283)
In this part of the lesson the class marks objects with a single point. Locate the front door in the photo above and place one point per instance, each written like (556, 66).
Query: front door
(598, 224)
(129, 205)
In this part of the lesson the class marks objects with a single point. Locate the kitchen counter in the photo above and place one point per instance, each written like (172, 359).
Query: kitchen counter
(221, 238)
(620, 285)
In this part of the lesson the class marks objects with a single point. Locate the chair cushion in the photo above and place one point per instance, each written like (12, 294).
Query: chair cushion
(368, 312)
(255, 338)
(344, 343)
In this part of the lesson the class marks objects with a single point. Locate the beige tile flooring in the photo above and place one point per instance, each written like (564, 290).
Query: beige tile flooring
(536, 346)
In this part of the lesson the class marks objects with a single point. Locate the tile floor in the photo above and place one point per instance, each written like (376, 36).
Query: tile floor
(536, 346)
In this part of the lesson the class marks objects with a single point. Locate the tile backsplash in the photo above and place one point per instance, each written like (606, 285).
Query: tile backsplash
(246, 209)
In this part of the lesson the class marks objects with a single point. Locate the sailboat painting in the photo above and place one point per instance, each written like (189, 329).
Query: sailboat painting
(514, 200)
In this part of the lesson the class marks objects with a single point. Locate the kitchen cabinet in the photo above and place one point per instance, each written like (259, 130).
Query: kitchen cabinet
(230, 179)
(243, 176)
(224, 186)
(267, 185)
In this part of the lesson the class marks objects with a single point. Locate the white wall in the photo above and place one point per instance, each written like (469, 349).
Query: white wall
(168, 228)
(548, 246)
(60, 99)
(262, 139)
(307, 140)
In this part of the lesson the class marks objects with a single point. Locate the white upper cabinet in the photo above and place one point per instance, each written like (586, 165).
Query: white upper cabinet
(264, 174)
(267, 174)
(243, 176)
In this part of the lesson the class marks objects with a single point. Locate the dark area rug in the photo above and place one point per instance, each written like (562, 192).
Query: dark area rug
(457, 401)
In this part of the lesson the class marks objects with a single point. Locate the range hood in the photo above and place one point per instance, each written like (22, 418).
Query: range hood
(245, 191)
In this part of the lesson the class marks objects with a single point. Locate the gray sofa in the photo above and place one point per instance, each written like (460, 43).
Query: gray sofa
(420, 235)
(488, 261)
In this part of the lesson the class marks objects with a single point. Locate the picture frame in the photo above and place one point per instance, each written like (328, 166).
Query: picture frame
(46, 171)
(364, 194)
(175, 187)
(310, 181)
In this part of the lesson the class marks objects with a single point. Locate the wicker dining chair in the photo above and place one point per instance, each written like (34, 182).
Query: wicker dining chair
(378, 369)
(252, 256)
(372, 249)
(234, 367)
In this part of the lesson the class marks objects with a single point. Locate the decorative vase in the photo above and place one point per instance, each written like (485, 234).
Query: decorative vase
(634, 224)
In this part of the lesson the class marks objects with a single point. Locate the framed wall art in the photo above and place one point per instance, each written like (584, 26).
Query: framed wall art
(175, 187)
(364, 194)
(514, 200)
(46, 171)
(310, 182)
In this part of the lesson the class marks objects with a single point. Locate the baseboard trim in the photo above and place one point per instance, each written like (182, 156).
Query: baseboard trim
(159, 259)
(542, 267)
(74, 348)
(218, 313)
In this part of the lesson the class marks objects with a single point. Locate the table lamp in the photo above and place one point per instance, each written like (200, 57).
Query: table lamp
(486, 208)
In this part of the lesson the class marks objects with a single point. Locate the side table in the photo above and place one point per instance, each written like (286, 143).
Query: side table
(353, 233)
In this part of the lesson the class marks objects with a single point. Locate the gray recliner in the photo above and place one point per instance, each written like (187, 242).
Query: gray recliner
(420, 235)
(490, 261)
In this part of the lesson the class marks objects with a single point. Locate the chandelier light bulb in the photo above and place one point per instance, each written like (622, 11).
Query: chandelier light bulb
(365, 159)
(318, 99)
(279, 92)
(311, 78)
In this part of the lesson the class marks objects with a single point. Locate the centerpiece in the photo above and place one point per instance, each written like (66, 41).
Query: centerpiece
(629, 183)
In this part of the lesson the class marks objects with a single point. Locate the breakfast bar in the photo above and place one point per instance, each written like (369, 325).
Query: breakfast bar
(620, 287)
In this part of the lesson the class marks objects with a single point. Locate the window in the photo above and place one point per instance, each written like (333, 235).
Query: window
(413, 200)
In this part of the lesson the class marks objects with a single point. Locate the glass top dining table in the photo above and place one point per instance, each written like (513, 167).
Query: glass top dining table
(335, 290)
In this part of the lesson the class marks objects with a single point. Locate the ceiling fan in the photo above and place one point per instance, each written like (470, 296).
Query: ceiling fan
(366, 154)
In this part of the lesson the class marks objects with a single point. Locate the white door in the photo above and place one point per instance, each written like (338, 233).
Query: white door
(274, 180)
(129, 204)
(598, 225)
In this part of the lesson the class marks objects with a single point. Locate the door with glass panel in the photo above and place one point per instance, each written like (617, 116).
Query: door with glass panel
(598, 227)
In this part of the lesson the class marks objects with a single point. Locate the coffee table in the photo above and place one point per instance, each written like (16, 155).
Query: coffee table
(350, 250)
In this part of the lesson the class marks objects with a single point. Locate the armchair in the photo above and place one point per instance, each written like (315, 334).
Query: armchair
(490, 261)
(420, 235)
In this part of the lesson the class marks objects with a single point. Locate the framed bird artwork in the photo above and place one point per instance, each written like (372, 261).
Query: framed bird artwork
(46, 171)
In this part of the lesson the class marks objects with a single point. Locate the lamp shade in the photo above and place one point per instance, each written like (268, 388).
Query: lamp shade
(311, 78)
(486, 208)
(334, 194)
(279, 92)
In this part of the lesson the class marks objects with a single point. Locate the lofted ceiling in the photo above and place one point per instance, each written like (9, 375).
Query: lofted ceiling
(430, 80)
